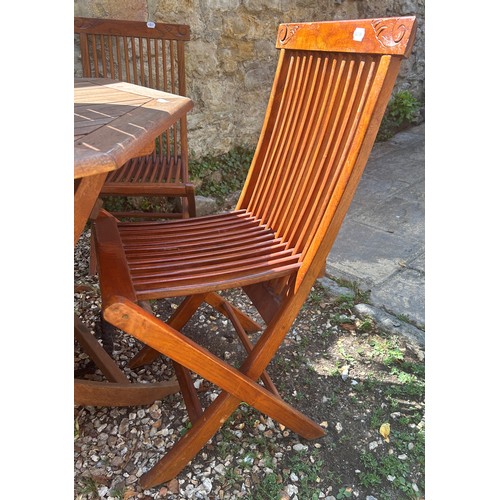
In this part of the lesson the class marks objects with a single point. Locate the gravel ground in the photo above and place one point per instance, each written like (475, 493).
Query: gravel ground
(330, 367)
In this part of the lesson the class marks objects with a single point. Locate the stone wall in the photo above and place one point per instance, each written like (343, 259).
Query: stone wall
(231, 58)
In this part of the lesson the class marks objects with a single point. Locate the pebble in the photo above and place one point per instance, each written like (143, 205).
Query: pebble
(102, 491)
(207, 484)
(123, 427)
(220, 469)
(299, 447)
(154, 412)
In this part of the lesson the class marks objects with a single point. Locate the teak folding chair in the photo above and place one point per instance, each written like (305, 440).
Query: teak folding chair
(331, 88)
(151, 55)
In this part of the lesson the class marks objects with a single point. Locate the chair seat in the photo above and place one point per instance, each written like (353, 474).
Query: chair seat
(177, 258)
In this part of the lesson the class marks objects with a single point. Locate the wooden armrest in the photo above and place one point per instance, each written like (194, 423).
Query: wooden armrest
(114, 275)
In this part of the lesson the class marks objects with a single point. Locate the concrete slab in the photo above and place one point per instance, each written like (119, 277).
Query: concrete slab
(402, 294)
(418, 264)
(372, 191)
(397, 215)
(368, 255)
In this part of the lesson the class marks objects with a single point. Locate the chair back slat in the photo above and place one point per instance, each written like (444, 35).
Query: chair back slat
(325, 108)
(320, 189)
(310, 140)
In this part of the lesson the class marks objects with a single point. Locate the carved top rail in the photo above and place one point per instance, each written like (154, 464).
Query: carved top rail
(392, 35)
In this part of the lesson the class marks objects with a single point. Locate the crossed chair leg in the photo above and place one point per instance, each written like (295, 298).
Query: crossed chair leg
(237, 385)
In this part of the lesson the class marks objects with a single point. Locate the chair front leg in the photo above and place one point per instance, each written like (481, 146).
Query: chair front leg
(191, 442)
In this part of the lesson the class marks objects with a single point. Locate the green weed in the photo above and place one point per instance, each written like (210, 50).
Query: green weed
(118, 493)
(268, 488)
(388, 350)
(89, 487)
(401, 111)
(76, 430)
(218, 176)
(308, 472)
(344, 492)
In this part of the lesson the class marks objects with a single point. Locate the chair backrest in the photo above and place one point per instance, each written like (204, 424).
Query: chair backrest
(332, 85)
(147, 54)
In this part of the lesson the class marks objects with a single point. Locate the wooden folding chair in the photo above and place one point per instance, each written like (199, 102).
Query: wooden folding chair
(332, 85)
(151, 55)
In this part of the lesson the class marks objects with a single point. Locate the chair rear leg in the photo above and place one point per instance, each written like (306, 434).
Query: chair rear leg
(188, 202)
(184, 313)
(188, 391)
(186, 386)
(218, 303)
(247, 344)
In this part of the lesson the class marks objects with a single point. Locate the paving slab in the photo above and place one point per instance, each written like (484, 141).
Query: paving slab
(367, 255)
(381, 244)
(403, 293)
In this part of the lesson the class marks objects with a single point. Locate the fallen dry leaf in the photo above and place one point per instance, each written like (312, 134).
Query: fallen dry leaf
(348, 326)
(129, 493)
(385, 430)
(173, 486)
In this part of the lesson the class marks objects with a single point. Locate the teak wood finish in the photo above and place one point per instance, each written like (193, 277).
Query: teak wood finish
(114, 121)
(150, 55)
(332, 85)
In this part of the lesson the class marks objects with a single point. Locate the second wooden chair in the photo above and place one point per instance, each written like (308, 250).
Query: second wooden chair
(151, 55)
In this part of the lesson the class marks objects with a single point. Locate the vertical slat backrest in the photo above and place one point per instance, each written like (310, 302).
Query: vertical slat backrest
(328, 97)
(133, 52)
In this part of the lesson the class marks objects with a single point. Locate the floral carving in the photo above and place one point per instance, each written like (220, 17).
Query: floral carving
(286, 32)
(389, 32)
